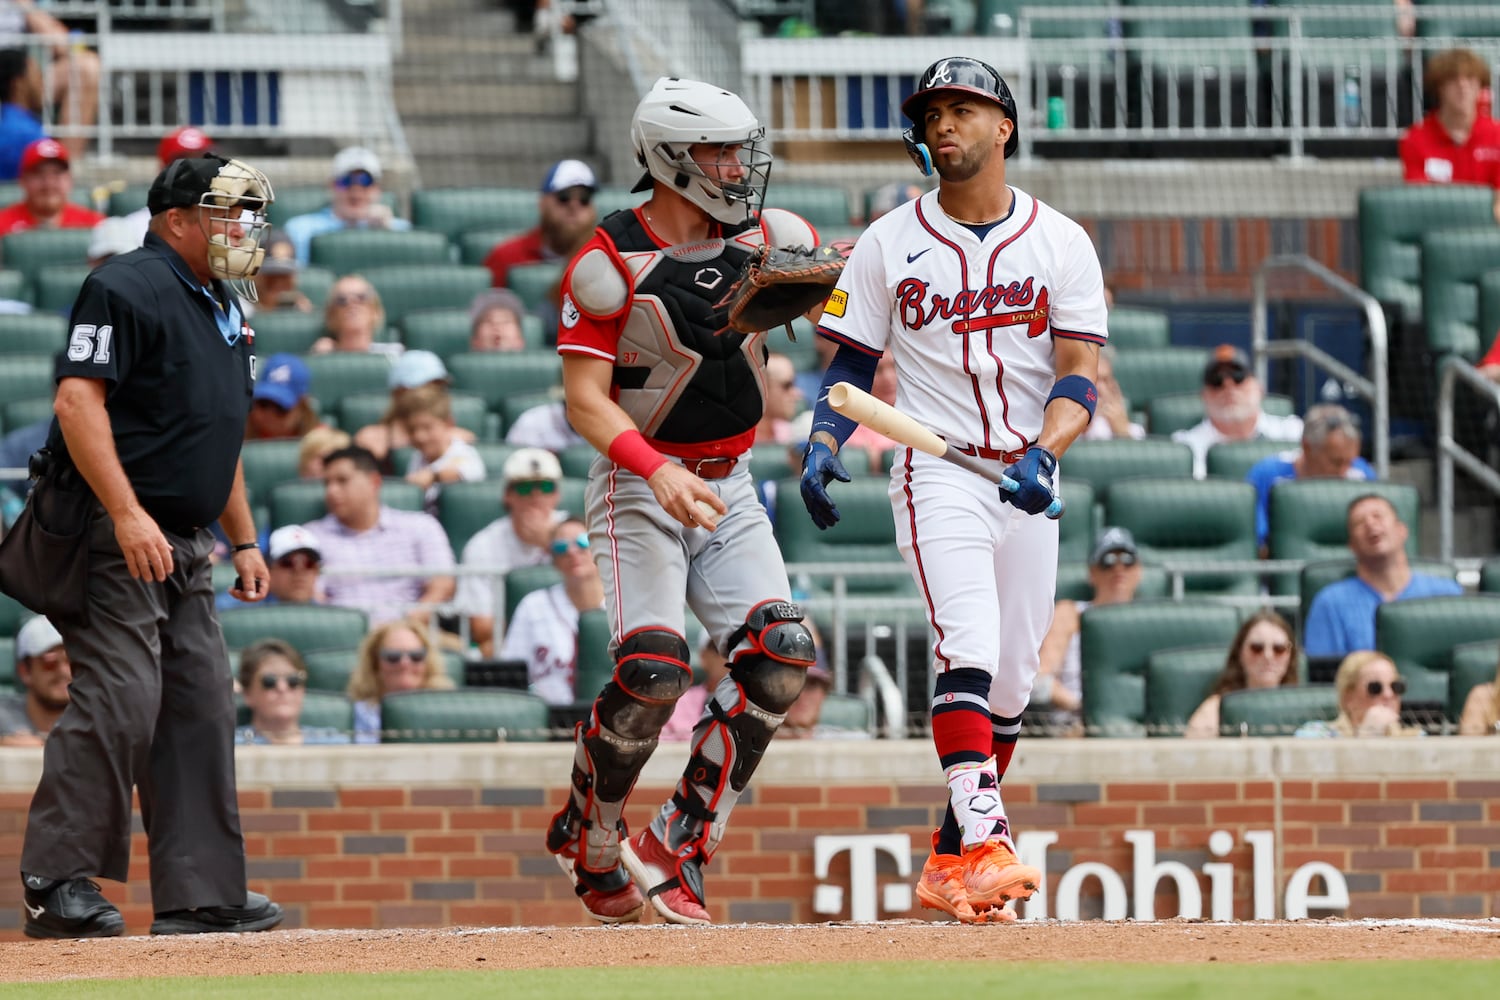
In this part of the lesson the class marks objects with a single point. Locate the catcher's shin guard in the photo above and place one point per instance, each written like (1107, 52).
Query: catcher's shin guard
(651, 673)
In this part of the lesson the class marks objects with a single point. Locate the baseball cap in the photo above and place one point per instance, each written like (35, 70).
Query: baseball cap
(568, 173)
(36, 637)
(817, 674)
(281, 258)
(42, 150)
(416, 368)
(292, 538)
(1226, 356)
(531, 463)
(496, 298)
(117, 234)
(1113, 540)
(283, 380)
(354, 159)
(187, 141)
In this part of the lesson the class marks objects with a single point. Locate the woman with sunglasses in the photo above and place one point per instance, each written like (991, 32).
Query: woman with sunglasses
(352, 318)
(1263, 655)
(544, 630)
(1481, 714)
(393, 657)
(1370, 690)
(273, 682)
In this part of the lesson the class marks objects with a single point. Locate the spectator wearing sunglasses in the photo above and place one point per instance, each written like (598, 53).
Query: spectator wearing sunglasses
(544, 631)
(352, 318)
(1341, 618)
(294, 562)
(393, 657)
(523, 537)
(1232, 398)
(566, 218)
(1369, 689)
(1115, 575)
(273, 682)
(1330, 450)
(1263, 655)
(354, 187)
(42, 674)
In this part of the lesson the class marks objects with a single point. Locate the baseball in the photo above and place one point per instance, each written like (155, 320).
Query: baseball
(706, 513)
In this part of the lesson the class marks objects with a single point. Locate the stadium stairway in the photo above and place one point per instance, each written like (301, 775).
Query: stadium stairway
(479, 103)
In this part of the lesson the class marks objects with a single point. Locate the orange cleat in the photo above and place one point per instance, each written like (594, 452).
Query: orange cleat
(941, 887)
(993, 876)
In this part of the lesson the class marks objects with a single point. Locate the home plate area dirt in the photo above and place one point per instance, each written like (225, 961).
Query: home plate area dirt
(304, 951)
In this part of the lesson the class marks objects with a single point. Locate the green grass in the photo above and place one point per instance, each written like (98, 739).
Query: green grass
(833, 981)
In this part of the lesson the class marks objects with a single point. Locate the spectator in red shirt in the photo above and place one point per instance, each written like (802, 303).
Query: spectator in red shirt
(1490, 363)
(1453, 144)
(46, 182)
(566, 215)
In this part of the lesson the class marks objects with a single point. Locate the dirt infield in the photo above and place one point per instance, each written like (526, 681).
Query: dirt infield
(298, 951)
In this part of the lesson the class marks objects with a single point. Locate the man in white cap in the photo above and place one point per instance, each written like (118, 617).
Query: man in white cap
(354, 184)
(566, 219)
(43, 673)
(294, 559)
(522, 538)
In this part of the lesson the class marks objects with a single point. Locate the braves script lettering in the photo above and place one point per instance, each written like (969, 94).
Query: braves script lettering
(919, 307)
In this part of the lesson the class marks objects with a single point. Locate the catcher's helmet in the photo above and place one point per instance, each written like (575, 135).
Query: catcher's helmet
(674, 116)
(957, 73)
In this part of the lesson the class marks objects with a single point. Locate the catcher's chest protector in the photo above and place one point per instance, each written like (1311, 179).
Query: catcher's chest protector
(678, 377)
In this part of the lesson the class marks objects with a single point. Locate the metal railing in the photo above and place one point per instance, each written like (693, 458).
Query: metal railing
(1375, 388)
(1451, 453)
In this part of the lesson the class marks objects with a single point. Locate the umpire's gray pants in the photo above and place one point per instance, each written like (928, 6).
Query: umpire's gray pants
(152, 706)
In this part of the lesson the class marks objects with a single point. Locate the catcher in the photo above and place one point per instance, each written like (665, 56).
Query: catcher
(671, 400)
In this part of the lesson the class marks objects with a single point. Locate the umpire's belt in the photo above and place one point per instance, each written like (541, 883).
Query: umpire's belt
(1009, 457)
(710, 468)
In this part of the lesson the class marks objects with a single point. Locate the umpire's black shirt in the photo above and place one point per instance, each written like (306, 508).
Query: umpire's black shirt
(177, 363)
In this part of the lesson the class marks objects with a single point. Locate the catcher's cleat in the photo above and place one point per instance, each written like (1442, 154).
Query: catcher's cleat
(674, 887)
(608, 896)
(993, 876)
(941, 887)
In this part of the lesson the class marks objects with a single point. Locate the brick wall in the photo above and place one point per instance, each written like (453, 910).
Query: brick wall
(464, 845)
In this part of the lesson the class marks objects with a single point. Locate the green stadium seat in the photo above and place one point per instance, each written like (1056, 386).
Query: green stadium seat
(473, 715)
(18, 413)
(571, 493)
(307, 627)
(494, 454)
(404, 290)
(326, 710)
(286, 331)
(301, 501)
(444, 332)
(347, 250)
(345, 373)
(1453, 261)
(1473, 663)
(1148, 372)
(820, 204)
(612, 198)
(363, 408)
(330, 669)
(1310, 519)
(454, 211)
(1489, 577)
(302, 200)
(12, 615)
(866, 532)
(13, 285)
(1317, 575)
(465, 508)
(1078, 528)
(7, 664)
(845, 713)
(1392, 224)
(316, 283)
(1117, 643)
(128, 199)
(595, 664)
(1419, 634)
(55, 287)
(1132, 328)
(268, 464)
(1454, 23)
(475, 245)
(1276, 711)
(32, 333)
(534, 283)
(1102, 464)
(523, 580)
(770, 462)
(1190, 520)
(1234, 459)
(802, 352)
(1177, 682)
(497, 376)
(575, 461)
(26, 376)
(31, 250)
(1180, 410)
(511, 407)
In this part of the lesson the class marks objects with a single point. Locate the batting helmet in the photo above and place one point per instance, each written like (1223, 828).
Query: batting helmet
(185, 141)
(964, 74)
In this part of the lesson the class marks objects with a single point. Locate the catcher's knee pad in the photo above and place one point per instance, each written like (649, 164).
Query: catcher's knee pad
(778, 650)
(651, 673)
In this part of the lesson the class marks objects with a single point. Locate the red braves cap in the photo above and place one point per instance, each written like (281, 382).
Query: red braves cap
(41, 151)
(185, 141)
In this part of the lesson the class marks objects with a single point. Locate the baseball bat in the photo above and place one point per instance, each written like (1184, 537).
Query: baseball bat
(863, 408)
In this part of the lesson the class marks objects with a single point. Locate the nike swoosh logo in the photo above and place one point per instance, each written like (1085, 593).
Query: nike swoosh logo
(35, 911)
(911, 257)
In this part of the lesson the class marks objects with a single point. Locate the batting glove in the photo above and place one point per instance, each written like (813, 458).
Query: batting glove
(820, 466)
(1029, 485)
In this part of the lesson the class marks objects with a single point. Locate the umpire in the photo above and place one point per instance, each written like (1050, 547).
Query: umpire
(153, 391)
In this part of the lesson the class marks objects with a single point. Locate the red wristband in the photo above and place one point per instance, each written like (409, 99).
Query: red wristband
(630, 450)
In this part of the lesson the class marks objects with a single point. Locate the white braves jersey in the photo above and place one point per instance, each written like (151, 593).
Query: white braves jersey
(970, 322)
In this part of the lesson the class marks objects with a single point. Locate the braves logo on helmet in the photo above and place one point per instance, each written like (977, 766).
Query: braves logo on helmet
(957, 73)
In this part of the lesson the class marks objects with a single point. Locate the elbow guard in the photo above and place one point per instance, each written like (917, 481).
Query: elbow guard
(1077, 388)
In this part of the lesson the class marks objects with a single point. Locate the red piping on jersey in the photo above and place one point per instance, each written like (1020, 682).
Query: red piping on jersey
(963, 263)
(840, 338)
(1092, 338)
(989, 341)
(911, 514)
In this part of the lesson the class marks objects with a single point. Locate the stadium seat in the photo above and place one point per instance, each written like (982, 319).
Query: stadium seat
(1310, 519)
(575, 461)
(866, 532)
(465, 508)
(13, 285)
(268, 464)
(32, 333)
(511, 407)
(12, 614)
(343, 251)
(7, 664)
(497, 376)
(846, 713)
(473, 715)
(611, 198)
(802, 352)
(523, 580)
(444, 332)
(1453, 261)
(494, 454)
(302, 500)
(1102, 464)
(1177, 682)
(1317, 575)
(325, 710)
(286, 331)
(595, 664)
(1419, 635)
(330, 669)
(1489, 577)
(1392, 223)
(128, 199)
(534, 283)
(404, 290)
(18, 413)
(30, 250)
(1148, 372)
(454, 211)
(1234, 459)
(570, 493)
(345, 373)
(1117, 643)
(1132, 329)
(1190, 520)
(1473, 663)
(1453, 23)
(55, 288)
(821, 204)
(307, 627)
(1276, 711)
(363, 408)
(316, 283)
(475, 246)
(305, 199)
(25, 376)
(770, 462)
(1078, 528)
(1181, 410)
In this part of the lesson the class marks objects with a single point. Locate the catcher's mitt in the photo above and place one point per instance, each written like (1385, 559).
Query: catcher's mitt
(778, 284)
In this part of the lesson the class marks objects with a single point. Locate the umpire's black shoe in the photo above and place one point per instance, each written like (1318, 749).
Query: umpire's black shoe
(258, 914)
(68, 908)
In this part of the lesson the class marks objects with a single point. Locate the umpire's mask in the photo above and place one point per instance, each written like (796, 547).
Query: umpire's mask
(233, 197)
